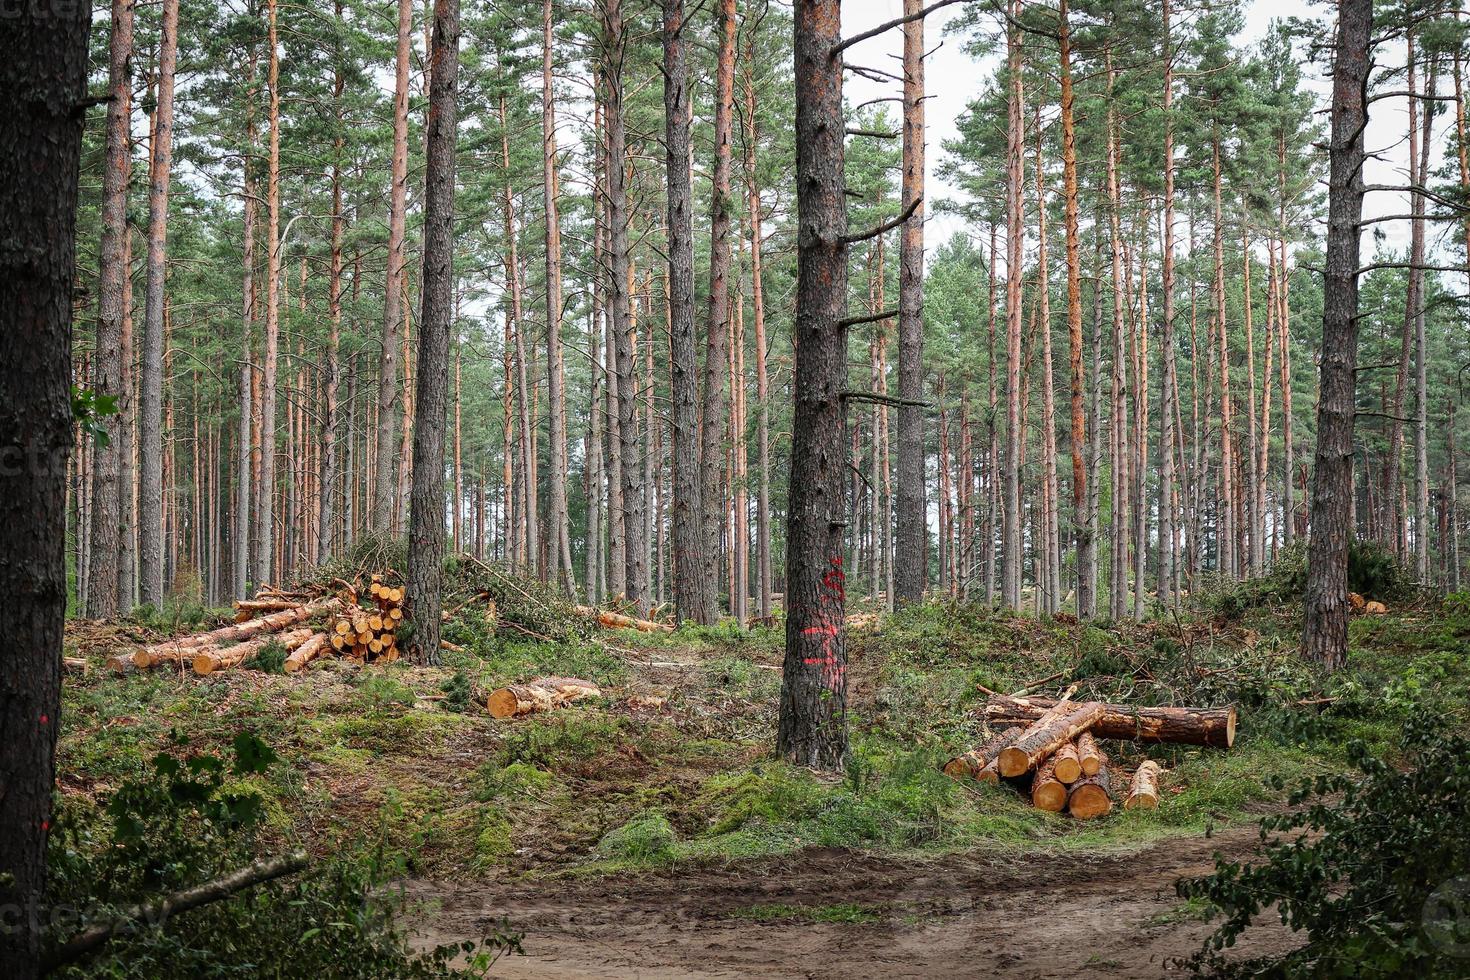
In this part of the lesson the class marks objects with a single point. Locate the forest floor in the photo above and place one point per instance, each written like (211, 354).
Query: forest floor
(651, 833)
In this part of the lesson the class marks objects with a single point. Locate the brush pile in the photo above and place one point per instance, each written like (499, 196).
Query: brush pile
(1049, 749)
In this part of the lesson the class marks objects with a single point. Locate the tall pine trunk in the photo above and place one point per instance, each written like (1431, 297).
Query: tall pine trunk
(1010, 578)
(150, 491)
(560, 552)
(106, 506)
(693, 586)
(385, 497)
(44, 78)
(426, 506)
(1324, 633)
(910, 572)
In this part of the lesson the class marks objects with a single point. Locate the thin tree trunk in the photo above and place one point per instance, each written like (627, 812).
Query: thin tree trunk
(1168, 409)
(758, 311)
(1015, 242)
(106, 505)
(327, 512)
(265, 522)
(620, 269)
(385, 496)
(561, 542)
(1118, 422)
(910, 573)
(1324, 633)
(1085, 530)
(150, 518)
(426, 511)
(1421, 347)
(693, 586)
(712, 435)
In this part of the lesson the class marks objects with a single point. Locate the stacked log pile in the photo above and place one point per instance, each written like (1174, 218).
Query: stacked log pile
(1049, 749)
(370, 634)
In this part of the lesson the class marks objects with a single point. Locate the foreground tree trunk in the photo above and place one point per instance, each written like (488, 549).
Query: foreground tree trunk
(1167, 535)
(426, 503)
(1324, 634)
(265, 521)
(44, 79)
(107, 492)
(150, 487)
(693, 586)
(812, 730)
(910, 572)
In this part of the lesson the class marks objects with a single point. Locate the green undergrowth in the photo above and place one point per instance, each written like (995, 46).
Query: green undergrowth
(407, 757)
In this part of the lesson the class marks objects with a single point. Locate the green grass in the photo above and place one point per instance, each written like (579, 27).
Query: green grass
(596, 788)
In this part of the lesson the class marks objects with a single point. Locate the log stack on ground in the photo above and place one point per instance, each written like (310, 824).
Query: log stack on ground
(370, 634)
(1056, 743)
(541, 694)
(207, 662)
(1211, 727)
(184, 648)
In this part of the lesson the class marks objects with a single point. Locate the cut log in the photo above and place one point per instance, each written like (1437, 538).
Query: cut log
(1045, 737)
(174, 651)
(1047, 791)
(1066, 764)
(618, 621)
(541, 694)
(208, 661)
(1214, 727)
(1143, 792)
(980, 763)
(1089, 796)
(308, 651)
(259, 607)
(1089, 756)
(78, 664)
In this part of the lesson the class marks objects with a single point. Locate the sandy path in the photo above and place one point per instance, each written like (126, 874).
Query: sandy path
(964, 916)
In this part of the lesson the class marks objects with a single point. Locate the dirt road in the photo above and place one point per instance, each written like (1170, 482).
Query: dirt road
(962, 916)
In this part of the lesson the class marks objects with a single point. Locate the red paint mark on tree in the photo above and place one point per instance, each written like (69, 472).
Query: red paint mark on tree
(829, 626)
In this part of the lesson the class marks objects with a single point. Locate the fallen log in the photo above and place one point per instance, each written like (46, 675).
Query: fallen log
(618, 621)
(980, 763)
(1089, 796)
(1066, 763)
(1143, 792)
(1089, 756)
(173, 651)
(246, 609)
(1214, 727)
(1047, 791)
(306, 653)
(541, 694)
(1045, 737)
(208, 661)
(78, 664)
(161, 910)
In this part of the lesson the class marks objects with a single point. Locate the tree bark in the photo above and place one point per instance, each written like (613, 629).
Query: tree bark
(693, 586)
(1085, 530)
(910, 571)
(44, 80)
(812, 729)
(560, 552)
(1168, 535)
(150, 491)
(385, 497)
(762, 378)
(327, 503)
(1324, 633)
(716, 368)
(1015, 242)
(426, 507)
(106, 506)
(265, 512)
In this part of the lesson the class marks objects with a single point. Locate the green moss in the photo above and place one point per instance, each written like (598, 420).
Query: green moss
(647, 838)
(844, 913)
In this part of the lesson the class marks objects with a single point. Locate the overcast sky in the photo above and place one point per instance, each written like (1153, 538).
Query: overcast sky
(954, 79)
